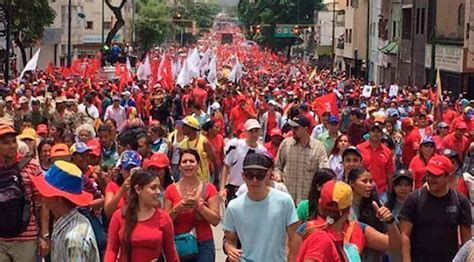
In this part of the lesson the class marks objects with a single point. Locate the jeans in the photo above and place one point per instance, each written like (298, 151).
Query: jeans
(207, 252)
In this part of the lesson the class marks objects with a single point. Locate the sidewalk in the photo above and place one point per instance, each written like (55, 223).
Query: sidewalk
(218, 236)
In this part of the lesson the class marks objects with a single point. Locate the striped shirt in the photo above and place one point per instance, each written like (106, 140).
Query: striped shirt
(73, 239)
(31, 233)
(297, 164)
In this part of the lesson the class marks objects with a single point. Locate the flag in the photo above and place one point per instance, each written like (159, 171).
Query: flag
(32, 64)
(313, 74)
(129, 66)
(437, 107)
(144, 70)
(50, 68)
(204, 63)
(212, 75)
(165, 73)
(326, 103)
(154, 72)
(236, 72)
(184, 76)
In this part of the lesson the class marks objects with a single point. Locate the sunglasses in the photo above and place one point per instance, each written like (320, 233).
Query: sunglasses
(251, 175)
(428, 145)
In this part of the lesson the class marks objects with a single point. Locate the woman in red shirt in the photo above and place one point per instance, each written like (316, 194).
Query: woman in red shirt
(193, 205)
(140, 230)
(419, 162)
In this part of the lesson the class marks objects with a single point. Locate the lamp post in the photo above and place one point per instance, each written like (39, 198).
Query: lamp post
(69, 17)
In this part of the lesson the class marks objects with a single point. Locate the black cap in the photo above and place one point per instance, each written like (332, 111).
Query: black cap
(402, 173)
(257, 161)
(351, 150)
(299, 120)
(377, 124)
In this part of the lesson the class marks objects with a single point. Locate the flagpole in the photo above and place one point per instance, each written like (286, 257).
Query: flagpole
(69, 17)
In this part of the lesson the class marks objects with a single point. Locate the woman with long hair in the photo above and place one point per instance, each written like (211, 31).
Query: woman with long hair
(335, 159)
(194, 206)
(140, 230)
(159, 165)
(116, 191)
(419, 162)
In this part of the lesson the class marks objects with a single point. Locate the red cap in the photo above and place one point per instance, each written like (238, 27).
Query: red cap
(439, 165)
(94, 146)
(407, 122)
(201, 82)
(461, 125)
(276, 132)
(42, 129)
(158, 160)
(241, 98)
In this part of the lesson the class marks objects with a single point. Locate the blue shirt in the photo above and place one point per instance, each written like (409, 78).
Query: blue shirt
(261, 225)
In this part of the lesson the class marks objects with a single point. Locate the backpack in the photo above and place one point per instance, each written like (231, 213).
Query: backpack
(13, 201)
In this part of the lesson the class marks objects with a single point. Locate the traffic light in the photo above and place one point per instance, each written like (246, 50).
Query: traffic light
(258, 30)
(296, 30)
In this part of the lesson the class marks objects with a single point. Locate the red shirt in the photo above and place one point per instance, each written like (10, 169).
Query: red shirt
(379, 162)
(459, 145)
(417, 167)
(149, 238)
(469, 123)
(218, 144)
(186, 221)
(462, 188)
(271, 122)
(273, 150)
(410, 146)
(199, 96)
(112, 187)
(219, 120)
(237, 118)
(448, 115)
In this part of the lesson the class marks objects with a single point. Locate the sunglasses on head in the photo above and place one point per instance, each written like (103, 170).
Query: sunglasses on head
(260, 175)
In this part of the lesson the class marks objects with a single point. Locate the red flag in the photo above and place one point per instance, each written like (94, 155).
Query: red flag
(165, 75)
(326, 103)
(65, 72)
(154, 72)
(123, 74)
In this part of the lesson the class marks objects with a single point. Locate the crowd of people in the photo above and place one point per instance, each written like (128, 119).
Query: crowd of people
(298, 164)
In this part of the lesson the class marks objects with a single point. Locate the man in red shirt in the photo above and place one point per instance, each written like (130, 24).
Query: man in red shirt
(216, 140)
(466, 118)
(275, 140)
(412, 141)
(457, 141)
(378, 158)
(448, 113)
(239, 114)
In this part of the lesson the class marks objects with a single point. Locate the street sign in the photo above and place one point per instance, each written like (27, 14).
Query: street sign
(284, 31)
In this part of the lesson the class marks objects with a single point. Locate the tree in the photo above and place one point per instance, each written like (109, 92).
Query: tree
(153, 23)
(202, 13)
(273, 12)
(28, 20)
(117, 10)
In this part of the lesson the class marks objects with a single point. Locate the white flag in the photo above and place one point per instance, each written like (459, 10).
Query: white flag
(193, 63)
(212, 75)
(129, 66)
(176, 67)
(236, 72)
(32, 64)
(184, 77)
(144, 70)
(204, 63)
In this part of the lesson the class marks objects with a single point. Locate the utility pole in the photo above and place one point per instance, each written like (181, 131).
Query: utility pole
(103, 21)
(69, 17)
(333, 34)
(367, 62)
(8, 44)
(433, 42)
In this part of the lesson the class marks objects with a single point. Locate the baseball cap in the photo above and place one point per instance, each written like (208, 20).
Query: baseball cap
(276, 132)
(7, 130)
(299, 121)
(351, 150)
(130, 158)
(252, 124)
(9, 99)
(257, 161)
(79, 147)
(333, 119)
(337, 192)
(28, 133)
(94, 146)
(273, 103)
(60, 150)
(461, 125)
(427, 140)
(215, 106)
(450, 153)
(23, 100)
(439, 165)
(407, 122)
(158, 160)
(376, 124)
(192, 122)
(402, 173)
(442, 125)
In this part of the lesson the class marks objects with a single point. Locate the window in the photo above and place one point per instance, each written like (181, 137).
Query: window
(350, 35)
(394, 30)
(418, 12)
(346, 37)
(348, 3)
(107, 25)
(461, 12)
(89, 25)
(467, 30)
(422, 24)
(406, 23)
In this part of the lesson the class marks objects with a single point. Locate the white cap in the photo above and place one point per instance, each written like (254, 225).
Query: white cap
(215, 106)
(252, 124)
(274, 103)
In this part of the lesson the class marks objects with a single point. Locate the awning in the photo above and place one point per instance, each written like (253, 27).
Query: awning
(390, 49)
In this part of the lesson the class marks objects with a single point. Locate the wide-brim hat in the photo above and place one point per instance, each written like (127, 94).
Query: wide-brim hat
(63, 179)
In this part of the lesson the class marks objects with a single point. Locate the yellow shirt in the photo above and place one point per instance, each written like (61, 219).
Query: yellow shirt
(198, 145)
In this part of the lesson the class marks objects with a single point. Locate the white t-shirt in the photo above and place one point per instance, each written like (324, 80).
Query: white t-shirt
(235, 152)
(275, 185)
(261, 225)
(91, 109)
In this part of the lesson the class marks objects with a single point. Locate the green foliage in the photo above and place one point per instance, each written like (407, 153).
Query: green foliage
(29, 18)
(153, 23)
(202, 13)
(272, 12)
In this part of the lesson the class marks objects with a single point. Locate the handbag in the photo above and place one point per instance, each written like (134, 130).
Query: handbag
(186, 243)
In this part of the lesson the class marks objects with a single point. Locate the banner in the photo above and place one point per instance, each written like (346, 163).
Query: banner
(326, 103)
